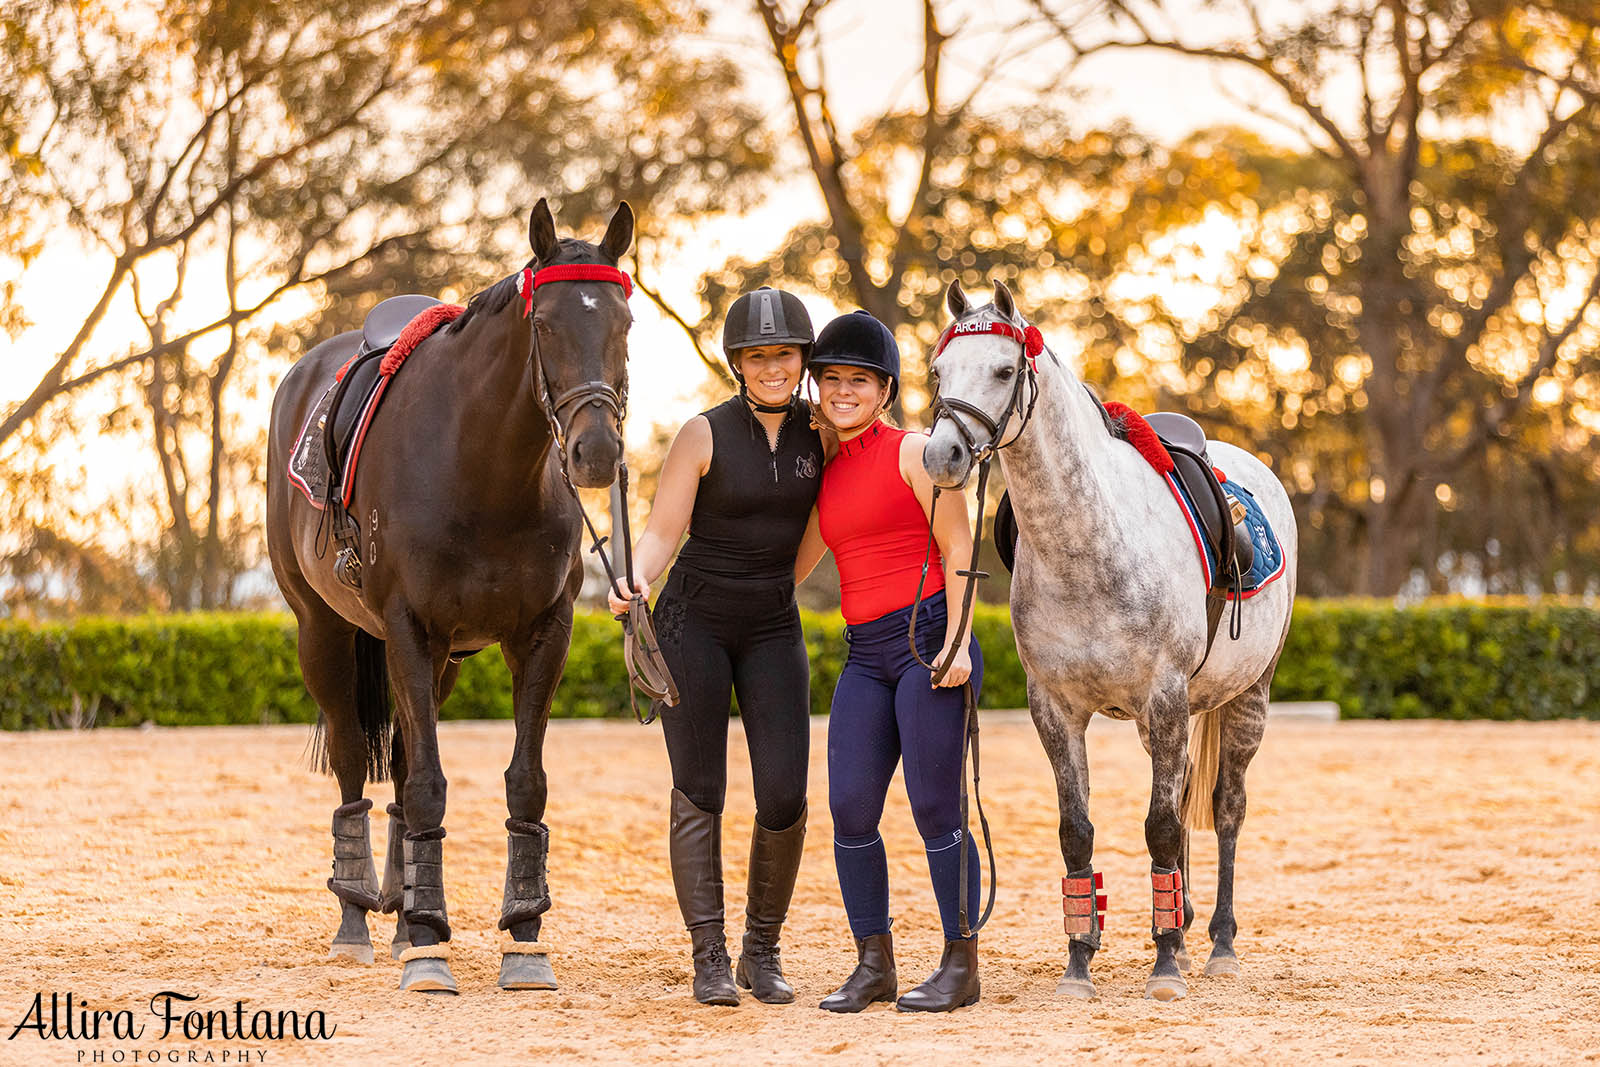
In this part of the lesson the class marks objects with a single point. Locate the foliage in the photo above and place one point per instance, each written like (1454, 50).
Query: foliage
(229, 168)
(1453, 659)
(1445, 659)
(1407, 323)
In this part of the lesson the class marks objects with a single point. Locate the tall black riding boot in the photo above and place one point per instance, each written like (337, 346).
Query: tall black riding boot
(873, 980)
(774, 860)
(954, 985)
(695, 844)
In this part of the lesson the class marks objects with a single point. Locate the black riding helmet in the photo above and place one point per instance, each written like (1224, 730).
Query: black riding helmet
(765, 316)
(857, 340)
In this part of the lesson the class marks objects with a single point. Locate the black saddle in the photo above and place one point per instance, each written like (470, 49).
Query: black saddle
(1006, 533)
(1186, 443)
(384, 323)
(379, 331)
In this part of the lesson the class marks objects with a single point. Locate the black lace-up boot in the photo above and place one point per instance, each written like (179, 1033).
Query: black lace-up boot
(695, 844)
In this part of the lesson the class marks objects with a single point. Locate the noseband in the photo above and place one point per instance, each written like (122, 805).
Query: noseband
(641, 651)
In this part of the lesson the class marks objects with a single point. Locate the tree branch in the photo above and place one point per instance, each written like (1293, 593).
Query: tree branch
(934, 132)
(1298, 95)
(845, 220)
(714, 365)
(1493, 417)
(49, 384)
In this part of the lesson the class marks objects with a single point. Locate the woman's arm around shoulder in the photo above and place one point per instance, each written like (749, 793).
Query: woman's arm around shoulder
(812, 549)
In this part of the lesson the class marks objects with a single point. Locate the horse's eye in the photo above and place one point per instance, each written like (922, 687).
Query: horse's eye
(1005, 373)
(542, 326)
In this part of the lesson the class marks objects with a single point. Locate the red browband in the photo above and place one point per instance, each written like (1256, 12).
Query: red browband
(530, 279)
(1031, 340)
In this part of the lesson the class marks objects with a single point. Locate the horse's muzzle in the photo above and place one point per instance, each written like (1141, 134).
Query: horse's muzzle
(946, 457)
(593, 455)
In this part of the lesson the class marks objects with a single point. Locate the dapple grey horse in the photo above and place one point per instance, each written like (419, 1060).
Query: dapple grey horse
(1108, 602)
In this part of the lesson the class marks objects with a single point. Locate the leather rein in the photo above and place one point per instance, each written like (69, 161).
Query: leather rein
(1031, 344)
(641, 650)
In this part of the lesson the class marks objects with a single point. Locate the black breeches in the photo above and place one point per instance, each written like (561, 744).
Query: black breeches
(724, 638)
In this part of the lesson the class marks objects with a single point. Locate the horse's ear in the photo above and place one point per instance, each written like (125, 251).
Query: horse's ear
(619, 235)
(1002, 300)
(956, 299)
(542, 232)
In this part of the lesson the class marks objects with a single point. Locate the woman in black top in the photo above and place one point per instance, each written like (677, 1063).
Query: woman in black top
(742, 477)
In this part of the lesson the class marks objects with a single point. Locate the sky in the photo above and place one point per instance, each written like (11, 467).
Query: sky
(874, 49)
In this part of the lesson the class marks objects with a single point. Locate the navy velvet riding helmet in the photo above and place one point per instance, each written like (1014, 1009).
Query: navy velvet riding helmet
(858, 340)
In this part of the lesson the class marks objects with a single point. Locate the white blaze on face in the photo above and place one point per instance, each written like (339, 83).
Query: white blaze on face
(589, 302)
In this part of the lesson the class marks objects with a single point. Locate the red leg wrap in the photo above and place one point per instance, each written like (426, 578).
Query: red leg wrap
(1083, 904)
(1166, 900)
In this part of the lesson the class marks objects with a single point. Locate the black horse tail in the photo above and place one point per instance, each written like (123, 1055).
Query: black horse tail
(372, 703)
(373, 711)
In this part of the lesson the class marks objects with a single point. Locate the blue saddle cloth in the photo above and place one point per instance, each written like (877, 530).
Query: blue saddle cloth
(1269, 560)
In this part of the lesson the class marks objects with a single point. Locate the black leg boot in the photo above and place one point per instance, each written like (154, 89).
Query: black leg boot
(695, 844)
(774, 860)
(354, 881)
(954, 985)
(873, 980)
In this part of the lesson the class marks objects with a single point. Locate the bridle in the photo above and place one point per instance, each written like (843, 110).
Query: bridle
(1030, 344)
(641, 650)
(1027, 370)
(598, 393)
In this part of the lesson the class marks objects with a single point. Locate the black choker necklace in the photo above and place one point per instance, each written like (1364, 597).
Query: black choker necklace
(770, 409)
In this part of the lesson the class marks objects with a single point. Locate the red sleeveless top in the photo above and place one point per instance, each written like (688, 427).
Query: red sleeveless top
(872, 521)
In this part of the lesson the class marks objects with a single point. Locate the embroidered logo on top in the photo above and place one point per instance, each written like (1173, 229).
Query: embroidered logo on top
(806, 466)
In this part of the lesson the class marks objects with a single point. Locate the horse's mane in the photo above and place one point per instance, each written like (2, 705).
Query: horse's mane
(498, 295)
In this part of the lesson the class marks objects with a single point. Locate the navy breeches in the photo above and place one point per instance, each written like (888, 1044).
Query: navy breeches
(884, 711)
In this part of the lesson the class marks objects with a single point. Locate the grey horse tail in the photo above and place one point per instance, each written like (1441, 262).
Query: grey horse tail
(1205, 760)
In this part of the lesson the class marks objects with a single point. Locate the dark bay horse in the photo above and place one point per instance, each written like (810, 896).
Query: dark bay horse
(468, 536)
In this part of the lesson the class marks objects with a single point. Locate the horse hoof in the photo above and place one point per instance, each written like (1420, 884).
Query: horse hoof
(526, 970)
(1182, 960)
(1165, 987)
(1077, 988)
(398, 949)
(1222, 966)
(427, 975)
(359, 951)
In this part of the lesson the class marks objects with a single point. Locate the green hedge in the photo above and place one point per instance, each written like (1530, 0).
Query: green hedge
(1450, 659)
(1445, 659)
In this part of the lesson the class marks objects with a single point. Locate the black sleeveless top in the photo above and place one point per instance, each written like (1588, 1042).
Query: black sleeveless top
(754, 501)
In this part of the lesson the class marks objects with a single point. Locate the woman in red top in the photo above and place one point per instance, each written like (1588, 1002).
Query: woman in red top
(873, 512)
